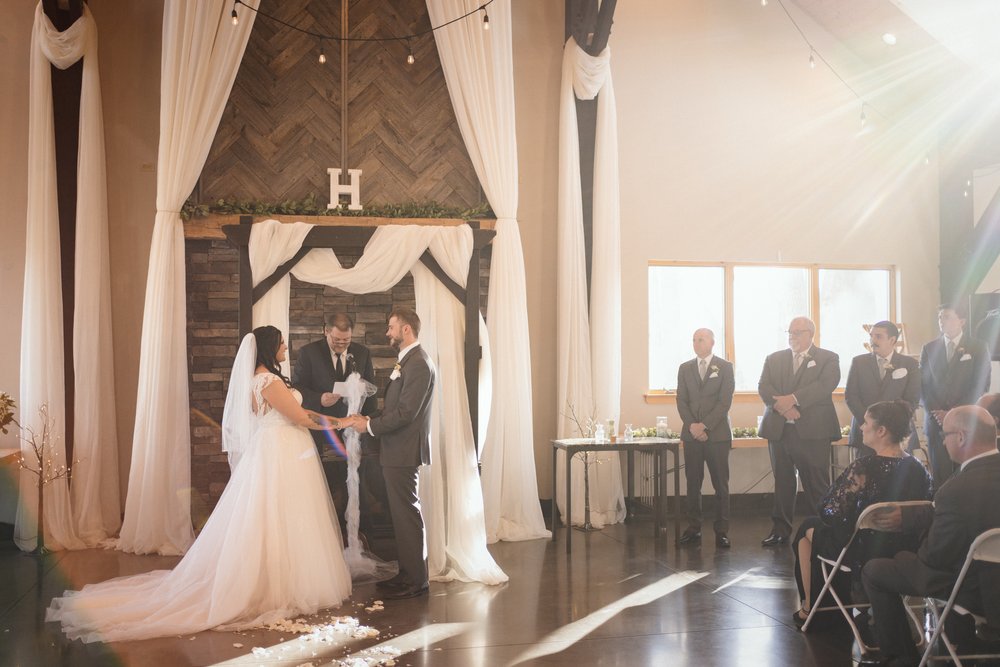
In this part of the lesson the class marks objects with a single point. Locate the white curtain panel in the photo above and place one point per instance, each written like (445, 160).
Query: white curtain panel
(589, 343)
(479, 71)
(96, 509)
(201, 54)
(450, 493)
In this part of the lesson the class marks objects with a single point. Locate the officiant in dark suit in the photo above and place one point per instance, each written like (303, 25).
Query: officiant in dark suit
(319, 365)
(705, 388)
(404, 427)
(881, 375)
(954, 371)
(799, 422)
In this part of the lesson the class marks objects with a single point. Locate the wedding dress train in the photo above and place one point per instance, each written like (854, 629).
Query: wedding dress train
(270, 550)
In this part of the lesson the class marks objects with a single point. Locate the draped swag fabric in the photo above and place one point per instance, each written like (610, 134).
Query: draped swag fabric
(449, 488)
(479, 70)
(93, 513)
(201, 54)
(589, 342)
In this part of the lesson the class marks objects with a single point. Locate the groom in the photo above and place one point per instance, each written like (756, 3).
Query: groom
(404, 426)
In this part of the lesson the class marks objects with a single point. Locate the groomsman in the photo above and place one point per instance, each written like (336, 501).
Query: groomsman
(954, 370)
(799, 422)
(705, 388)
(881, 375)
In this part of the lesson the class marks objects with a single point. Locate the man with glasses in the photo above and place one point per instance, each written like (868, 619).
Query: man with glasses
(954, 370)
(799, 422)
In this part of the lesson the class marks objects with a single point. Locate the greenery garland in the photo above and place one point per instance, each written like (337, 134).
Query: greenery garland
(312, 206)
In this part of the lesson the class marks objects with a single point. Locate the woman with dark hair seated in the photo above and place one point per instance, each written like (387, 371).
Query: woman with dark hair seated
(890, 474)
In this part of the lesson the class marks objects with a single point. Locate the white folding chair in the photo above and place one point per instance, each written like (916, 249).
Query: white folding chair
(832, 568)
(986, 547)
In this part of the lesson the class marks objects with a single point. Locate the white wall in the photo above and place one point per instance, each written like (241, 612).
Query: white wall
(733, 149)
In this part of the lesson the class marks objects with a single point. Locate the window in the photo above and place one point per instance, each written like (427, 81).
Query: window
(749, 306)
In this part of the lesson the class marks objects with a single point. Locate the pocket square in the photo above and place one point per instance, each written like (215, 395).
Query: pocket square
(713, 375)
(966, 357)
(811, 364)
(899, 373)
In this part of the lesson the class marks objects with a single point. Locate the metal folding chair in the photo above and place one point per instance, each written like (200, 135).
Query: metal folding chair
(986, 547)
(832, 568)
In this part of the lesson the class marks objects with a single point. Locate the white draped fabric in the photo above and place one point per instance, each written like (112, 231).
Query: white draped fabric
(479, 71)
(94, 512)
(450, 493)
(201, 54)
(589, 341)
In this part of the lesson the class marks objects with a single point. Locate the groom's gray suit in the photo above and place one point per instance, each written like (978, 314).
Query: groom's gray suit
(404, 427)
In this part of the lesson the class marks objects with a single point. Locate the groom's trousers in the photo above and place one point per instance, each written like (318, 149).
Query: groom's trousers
(407, 522)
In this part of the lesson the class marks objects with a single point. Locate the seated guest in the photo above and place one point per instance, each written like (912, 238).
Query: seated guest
(991, 403)
(890, 474)
(964, 507)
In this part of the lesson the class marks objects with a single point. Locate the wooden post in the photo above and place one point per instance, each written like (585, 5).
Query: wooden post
(246, 280)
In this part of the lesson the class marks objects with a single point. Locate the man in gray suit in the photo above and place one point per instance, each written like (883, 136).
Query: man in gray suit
(404, 427)
(705, 388)
(882, 375)
(954, 371)
(799, 422)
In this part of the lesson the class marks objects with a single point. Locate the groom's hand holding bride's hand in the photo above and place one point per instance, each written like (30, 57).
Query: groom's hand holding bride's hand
(358, 422)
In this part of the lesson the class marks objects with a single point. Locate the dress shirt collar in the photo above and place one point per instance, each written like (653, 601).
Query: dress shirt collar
(957, 340)
(402, 353)
(979, 456)
(707, 360)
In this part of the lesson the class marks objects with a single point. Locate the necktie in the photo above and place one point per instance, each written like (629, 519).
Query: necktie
(881, 367)
(702, 367)
(951, 349)
(797, 362)
(340, 365)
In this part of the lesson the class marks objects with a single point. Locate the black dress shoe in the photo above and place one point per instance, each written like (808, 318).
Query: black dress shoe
(408, 592)
(393, 584)
(722, 541)
(690, 536)
(773, 540)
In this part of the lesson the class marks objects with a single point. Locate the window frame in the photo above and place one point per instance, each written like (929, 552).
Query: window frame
(666, 396)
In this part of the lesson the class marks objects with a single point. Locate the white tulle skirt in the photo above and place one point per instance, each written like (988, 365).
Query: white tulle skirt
(271, 550)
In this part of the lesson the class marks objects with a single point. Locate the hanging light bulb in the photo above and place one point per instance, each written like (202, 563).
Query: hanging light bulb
(236, 17)
(968, 183)
(927, 159)
(409, 58)
(965, 193)
(763, 3)
(864, 117)
(486, 19)
(812, 61)
(322, 56)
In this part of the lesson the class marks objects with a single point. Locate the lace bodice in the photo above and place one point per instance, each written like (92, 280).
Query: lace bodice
(260, 382)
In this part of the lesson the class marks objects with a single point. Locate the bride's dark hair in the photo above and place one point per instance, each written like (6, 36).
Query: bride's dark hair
(268, 339)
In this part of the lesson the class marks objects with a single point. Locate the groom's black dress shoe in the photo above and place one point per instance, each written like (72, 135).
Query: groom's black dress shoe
(722, 541)
(690, 536)
(407, 592)
(773, 540)
(393, 584)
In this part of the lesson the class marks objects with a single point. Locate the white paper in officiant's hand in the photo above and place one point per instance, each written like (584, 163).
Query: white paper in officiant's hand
(340, 388)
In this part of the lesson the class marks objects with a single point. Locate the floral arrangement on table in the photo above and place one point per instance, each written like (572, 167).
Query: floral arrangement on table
(650, 432)
(39, 462)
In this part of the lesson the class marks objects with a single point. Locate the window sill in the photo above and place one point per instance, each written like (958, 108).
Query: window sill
(670, 397)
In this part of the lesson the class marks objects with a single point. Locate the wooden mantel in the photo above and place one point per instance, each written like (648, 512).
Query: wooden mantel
(210, 226)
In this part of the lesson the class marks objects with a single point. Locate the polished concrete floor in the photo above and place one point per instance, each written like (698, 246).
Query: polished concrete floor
(620, 598)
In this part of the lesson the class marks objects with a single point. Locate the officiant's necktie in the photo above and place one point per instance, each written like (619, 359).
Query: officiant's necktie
(702, 367)
(797, 362)
(340, 365)
(881, 366)
(951, 349)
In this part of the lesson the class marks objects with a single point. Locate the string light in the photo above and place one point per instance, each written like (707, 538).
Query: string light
(236, 17)
(322, 56)
(763, 3)
(864, 118)
(486, 19)
(812, 60)
(409, 57)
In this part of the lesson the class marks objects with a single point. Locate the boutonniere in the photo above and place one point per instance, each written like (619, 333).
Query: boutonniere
(960, 350)
(889, 367)
(395, 372)
(713, 368)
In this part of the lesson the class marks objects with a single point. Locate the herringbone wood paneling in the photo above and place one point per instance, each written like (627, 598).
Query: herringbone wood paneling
(281, 128)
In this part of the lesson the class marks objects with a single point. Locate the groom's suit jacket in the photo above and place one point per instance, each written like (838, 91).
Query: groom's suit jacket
(813, 386)
(404, 425)
(706, 401)
(865, 387)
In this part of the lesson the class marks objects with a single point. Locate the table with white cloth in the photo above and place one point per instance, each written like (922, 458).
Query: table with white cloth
(659, 447)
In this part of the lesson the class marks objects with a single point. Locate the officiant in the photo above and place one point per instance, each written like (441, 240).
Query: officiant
(319, 366)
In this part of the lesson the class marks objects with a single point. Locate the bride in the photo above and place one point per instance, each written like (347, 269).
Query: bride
(271, 548)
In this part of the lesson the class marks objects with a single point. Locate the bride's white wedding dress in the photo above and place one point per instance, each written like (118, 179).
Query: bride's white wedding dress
(270, 550)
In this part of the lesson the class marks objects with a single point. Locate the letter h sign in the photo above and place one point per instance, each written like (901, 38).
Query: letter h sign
(337, 190)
